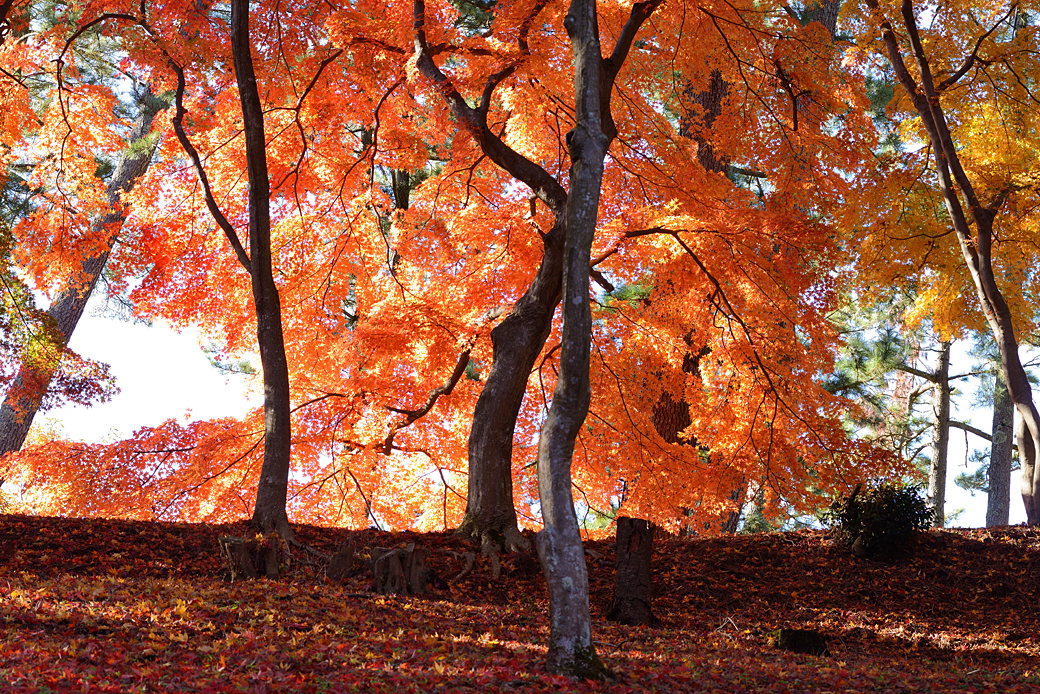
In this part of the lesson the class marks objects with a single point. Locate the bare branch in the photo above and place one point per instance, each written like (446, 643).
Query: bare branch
(443, 389)
(547, 188)
(977, 432)
(969, 61)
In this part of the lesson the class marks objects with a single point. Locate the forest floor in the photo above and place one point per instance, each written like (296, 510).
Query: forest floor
(115, 606)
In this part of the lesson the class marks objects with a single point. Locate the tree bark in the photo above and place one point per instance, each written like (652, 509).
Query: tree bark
(30, 385)
(270, 512)
(571, 649)
(5, 25)
(559, 543)
(518, 339)
(940, 448)
(516, 342)
(632, 589)
(976, 246)
(998, 500)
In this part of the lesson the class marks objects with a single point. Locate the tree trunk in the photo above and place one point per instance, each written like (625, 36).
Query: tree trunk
(998, 501)
(571, 649)
(516, 341)
(632, 594)
(976, 245)
(559, 543)
(940, 450)
(270, 512)
(30, 385)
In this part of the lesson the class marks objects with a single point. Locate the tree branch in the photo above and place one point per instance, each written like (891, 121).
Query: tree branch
(196, 160)
(978, 432)
(610, 67)
(443, 389)
(547, 188)
(931, 378)
(969, 61)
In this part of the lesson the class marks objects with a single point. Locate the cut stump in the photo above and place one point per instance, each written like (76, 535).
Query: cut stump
(342, 563)
(398, 570)
(249, 558)
(631, 604)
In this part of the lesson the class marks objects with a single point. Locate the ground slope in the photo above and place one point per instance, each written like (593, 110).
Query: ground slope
(114, 606)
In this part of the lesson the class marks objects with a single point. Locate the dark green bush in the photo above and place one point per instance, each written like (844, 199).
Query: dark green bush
(880, 518)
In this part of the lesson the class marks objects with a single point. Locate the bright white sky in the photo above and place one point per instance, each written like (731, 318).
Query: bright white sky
(161, 374)
(164, 374)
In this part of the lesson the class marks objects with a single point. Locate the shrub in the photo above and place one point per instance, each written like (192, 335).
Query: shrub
(879, 519)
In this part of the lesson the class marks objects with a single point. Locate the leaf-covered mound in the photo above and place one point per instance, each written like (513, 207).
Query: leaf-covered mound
(113, 606)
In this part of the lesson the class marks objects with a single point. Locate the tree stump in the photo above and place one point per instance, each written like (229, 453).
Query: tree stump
(249, 558)
(342, 563)
(398, 570)
(800, 641)
(632, 594)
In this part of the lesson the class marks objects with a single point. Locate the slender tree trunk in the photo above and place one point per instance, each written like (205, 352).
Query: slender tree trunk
(516, 341)
(270, 512)
(30, 385)
(976, 244)
(559, 542)
(941, 446)
(998, 501)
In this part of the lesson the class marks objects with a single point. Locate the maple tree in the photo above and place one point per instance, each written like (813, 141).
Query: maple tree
(35, 374)
(386, 305)
(960, 89)
(357, 303)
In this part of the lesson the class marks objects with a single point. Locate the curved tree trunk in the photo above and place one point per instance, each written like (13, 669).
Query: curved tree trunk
(559, 542)
(571, 650)
(998, 500)
(30, 385)
(516, 341)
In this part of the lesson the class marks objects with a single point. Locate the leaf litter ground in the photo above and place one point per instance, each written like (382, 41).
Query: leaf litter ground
(113, 606)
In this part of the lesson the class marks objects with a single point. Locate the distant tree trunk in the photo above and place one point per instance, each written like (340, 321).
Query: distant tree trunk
(730, 520)
(940, 451)
(270, 512)
(972, 220)
(30, 385)
(998, 501)
(631, 604)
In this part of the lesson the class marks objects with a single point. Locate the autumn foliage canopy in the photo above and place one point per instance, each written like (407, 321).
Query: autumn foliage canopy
(743, 197)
